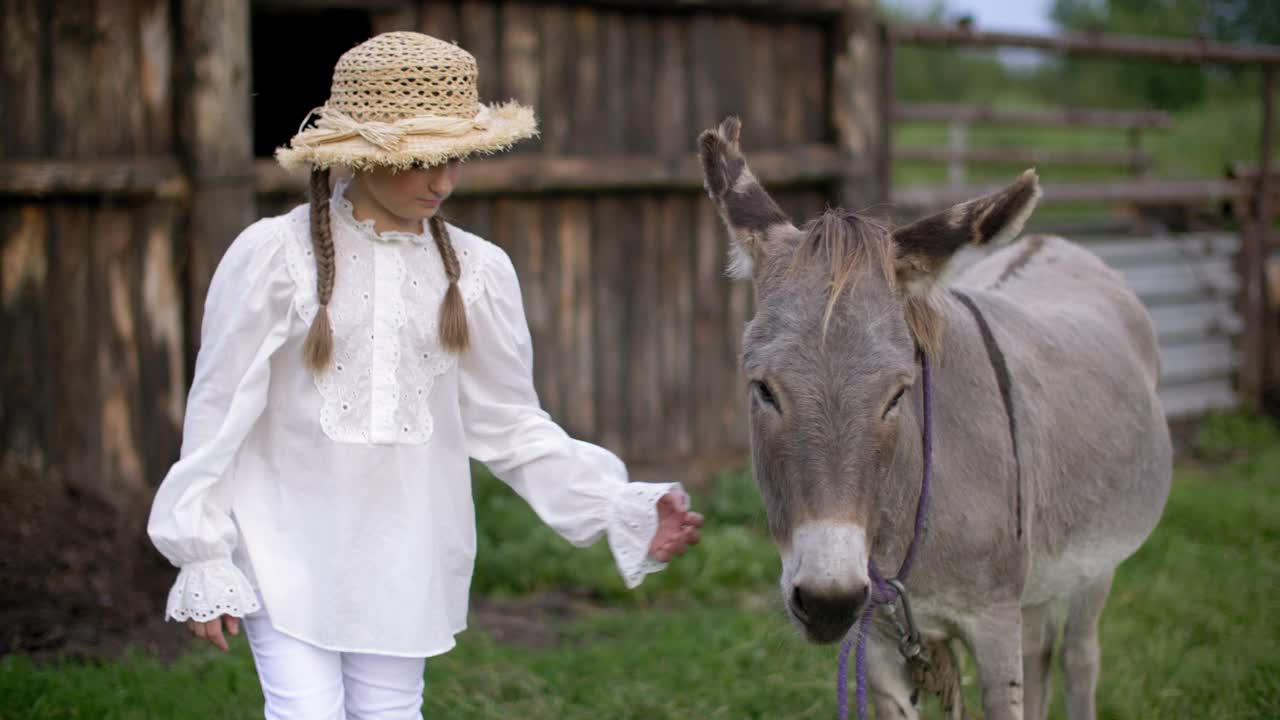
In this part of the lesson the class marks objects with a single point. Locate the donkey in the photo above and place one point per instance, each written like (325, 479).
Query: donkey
(1052, 458)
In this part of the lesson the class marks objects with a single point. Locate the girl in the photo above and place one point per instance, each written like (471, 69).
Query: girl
(354, 353)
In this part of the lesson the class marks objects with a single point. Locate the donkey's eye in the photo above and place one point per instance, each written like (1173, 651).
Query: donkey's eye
(894, 402)
(765, 395)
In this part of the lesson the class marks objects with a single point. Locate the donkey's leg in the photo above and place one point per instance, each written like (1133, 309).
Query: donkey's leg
(888, 682)
(1039, 631)
(995, 639)
(1080, 650)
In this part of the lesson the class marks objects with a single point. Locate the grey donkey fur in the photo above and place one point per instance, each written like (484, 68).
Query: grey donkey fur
(1052, 459)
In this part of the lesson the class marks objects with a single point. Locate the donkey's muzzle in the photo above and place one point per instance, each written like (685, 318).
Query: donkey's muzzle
(827, 614)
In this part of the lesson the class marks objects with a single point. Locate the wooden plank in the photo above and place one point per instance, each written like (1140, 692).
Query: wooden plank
(75, 399)
(735, 88)
(218, 136)
(440, 19)
(648, 402)
(973, 114)
(75, 428)
(1191, 399)
(557, 66)
(526, 218)
(613, 245)
(117, 117)
(793, 116)
(1181, 363)
(25, 354)
(677, 323)
(614, 75)
(714, 368)
(540, 298)
(155, 69)
(121, 476)
(161, 338)
(643, 398)
(137, 176)
(1166, 283)
(576, 337)
(762, 94)
(479, 35)
(1270, 364)
(400, 16)
(1021, 155)
(675, 138)
(1092, 44)
(1125, 251)
(521, 53)
(1187, 322)
(24, 79)
(672, 133)
(813, 84)
(612, 253)
(771, 9)
(1142, 191)
(74, 33)
(583, 108)
(704, 104)
(860, 102)
(806, 165)
(1251, 301)
(639, 89)
(714, 363)
(120, 124)
(764, 8)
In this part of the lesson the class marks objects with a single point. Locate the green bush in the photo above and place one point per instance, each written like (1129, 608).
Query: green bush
(1234, 434)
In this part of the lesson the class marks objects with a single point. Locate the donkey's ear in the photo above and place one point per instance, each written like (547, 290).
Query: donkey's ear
(755, 221)
(925, 246)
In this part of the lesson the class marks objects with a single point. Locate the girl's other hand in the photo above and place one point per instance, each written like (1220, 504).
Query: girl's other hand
(212, 630)
(677, 527)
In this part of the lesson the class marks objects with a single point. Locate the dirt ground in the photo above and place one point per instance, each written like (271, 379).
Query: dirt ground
(79, 580)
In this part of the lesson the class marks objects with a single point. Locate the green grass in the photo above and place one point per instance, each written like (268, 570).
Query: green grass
(1189, 631)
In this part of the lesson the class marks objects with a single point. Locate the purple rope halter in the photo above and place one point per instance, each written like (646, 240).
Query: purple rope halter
(884, 593)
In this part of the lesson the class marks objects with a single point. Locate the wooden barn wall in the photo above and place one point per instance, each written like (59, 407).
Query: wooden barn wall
(636, 330)
(91, 301)
(92, 295)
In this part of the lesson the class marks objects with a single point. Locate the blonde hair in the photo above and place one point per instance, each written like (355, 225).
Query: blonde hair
(453, 311)
(317, 350)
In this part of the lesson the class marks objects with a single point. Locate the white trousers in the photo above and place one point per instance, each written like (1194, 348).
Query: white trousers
(303, 682)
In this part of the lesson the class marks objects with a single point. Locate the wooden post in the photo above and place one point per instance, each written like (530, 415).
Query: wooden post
(217, 131)
(860, 97)
(1269, 366)
(1253, 213)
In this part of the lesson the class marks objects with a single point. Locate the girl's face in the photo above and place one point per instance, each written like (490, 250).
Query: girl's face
(411, 195)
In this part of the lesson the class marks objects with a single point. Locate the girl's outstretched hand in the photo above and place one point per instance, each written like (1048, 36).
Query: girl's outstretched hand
(212, 630)
(677, 527)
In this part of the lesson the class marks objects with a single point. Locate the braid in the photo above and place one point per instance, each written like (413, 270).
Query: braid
(318, 348)
(453, 312)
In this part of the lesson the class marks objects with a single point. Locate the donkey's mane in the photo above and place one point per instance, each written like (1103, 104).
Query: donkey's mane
(851, 245)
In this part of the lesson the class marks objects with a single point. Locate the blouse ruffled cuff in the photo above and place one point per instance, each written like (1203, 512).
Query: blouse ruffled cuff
(207, 589)
(633, 521)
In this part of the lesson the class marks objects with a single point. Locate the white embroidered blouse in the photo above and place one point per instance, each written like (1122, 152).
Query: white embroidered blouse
(344, 499)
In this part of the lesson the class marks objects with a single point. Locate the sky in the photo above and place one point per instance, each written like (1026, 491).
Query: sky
(1025, 16)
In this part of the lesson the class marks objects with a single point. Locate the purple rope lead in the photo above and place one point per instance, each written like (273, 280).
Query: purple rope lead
(882, 592)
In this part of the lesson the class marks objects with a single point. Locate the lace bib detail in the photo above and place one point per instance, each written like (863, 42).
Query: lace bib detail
(385, 314)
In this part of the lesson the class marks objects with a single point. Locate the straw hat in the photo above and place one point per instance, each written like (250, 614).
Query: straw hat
(402, 98)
